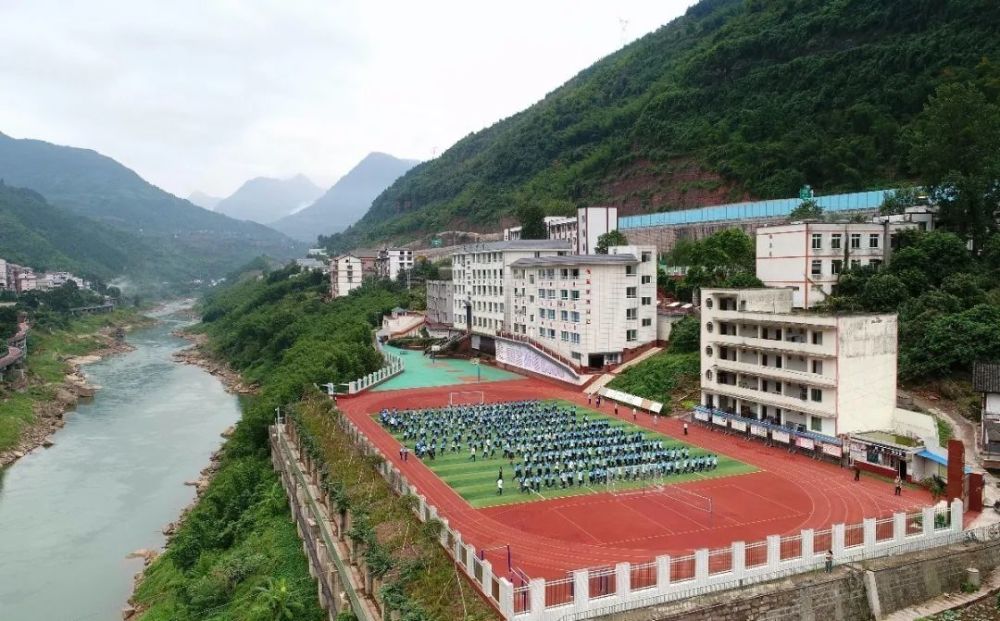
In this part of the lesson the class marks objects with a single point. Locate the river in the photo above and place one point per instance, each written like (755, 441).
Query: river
(70, 515)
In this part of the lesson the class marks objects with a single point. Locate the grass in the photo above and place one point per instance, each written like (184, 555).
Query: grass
(945, 431)
(476, 481)
(47, 353)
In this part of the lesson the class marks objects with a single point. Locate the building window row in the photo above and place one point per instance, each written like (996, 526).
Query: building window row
(837, 240)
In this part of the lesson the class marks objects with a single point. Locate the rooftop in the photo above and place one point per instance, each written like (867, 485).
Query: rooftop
(986, 377)
(518, 244)
(578, 259)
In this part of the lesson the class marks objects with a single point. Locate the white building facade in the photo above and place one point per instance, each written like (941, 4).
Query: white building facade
(589, 309)
(441, 302)
(592, 222)
(481, 274)
(808, 257)
(393, 261)
(345, 274)
(826, 374)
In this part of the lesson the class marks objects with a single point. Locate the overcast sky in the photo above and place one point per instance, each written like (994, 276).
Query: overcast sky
(202, 95)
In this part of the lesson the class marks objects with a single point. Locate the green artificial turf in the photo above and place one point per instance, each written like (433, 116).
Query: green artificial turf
(476, 482)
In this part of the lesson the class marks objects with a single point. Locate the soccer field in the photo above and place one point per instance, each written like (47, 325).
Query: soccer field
(476, 481)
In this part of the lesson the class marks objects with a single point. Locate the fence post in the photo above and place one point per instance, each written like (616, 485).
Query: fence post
(487, 581)
(928, 520)
(898, 527)
(506, 598)
(837, 540)
(623, 580)
(536, 595)
(739, 559)
(470, 553)
(701, 564)
(662, 574)
(808, 545)
(956, 515)
(581, 589)
(868, 532)
(773, 551)
(457, 551)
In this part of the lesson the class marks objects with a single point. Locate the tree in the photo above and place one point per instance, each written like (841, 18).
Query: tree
(685, 335)
(276, 601)
(953, 147)
(809, 209)
(611, 238)
(894, 203)
(884, 293)
(532, 221)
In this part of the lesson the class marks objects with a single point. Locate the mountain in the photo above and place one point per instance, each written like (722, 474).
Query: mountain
(265, 200)
(736, 99)
(44, 237)
(195, 242)
(204, 200)
(348, 199)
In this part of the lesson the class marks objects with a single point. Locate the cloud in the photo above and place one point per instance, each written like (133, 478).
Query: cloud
(203, 95)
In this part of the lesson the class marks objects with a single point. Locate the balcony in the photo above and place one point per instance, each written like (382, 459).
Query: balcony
(769, 398)
(782, 374)
(786, 347)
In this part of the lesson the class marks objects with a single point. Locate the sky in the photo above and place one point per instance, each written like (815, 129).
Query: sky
(203, 95)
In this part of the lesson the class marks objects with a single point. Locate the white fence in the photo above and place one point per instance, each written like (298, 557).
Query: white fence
(587, 593)
(393, 367)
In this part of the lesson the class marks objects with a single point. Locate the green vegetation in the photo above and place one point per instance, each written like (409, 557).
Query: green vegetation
(750, 97)
(945, 431)
(418, 579)
(611, 238)
(49, 344)
(808, 210)
(724, 259)
(476, 481)
(279, 333)
(532, 220)
(948, 300)
(669, 376)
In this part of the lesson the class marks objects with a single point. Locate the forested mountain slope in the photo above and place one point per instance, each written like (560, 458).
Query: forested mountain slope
(98, 187)
(738, 98)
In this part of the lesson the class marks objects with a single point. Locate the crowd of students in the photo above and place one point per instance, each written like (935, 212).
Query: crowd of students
(548, 446)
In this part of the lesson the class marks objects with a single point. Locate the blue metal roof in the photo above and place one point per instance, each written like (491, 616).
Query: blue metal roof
(938, 459)
(854, 201)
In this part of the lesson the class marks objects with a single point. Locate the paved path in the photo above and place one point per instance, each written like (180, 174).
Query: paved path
(946, 601)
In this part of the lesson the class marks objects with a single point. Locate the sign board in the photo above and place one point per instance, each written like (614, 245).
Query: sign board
(757, 430)
(833, 449)
(719, 420)
(806, 443)
(703, 416)
(436, 242)
(738, 425)
(780, 436)
(435, 348)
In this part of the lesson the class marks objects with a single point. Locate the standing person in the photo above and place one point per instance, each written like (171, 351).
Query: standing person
(899, 486)
(857, 472)
(472, 453)
(590, 398)
(598, 401)
(829, 561)
(635, 415)
(401, 448)
(406, 454)
(685, 428)
(616, 408)
(500, 486)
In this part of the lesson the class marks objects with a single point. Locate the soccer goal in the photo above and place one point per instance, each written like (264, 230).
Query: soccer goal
(468, 397)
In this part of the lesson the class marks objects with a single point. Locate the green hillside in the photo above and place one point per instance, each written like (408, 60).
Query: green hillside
(197, 242)
(738, 98)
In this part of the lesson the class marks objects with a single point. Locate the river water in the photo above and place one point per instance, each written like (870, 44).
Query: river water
(69, 515)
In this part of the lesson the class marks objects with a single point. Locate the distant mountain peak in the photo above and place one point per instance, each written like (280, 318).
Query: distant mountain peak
(266, 199)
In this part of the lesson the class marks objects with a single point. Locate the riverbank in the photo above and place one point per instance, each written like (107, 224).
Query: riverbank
(199, 355)
(32, 410)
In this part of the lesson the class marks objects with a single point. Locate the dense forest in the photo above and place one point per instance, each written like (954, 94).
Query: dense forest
(738, 98)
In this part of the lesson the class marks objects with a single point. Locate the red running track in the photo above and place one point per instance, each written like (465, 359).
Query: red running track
(548, 538)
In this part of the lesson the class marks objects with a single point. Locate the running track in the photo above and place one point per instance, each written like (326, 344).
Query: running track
(549, 538)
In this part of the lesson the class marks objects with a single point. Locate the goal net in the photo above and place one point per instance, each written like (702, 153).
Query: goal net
(468, 397)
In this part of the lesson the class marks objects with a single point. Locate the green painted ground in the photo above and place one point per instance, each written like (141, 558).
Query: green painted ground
(476, 481)
(424, 372)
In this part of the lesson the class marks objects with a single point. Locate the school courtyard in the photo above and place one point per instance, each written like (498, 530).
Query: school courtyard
(755, 492)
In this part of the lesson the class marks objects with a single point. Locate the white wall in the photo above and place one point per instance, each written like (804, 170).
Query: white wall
(866, 368)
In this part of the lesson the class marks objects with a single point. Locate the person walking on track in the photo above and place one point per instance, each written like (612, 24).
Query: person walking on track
(899, 486)
(685, 428)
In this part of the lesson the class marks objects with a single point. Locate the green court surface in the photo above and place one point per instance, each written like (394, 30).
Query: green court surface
(476, 482)
(425, 372)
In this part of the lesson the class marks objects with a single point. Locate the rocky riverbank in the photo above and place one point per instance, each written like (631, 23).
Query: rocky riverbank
(199, 356)
(50, 414)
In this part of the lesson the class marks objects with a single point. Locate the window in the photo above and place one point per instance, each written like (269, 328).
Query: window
(631, 313)
(574, 317)
(816, 423)
(835, 241)
(574, 295)
(708, 375)
(875, 263)
(817, 268)
(564, 315)
(708, 351)
(631, 335)
(630, 292)
(855, 240)
(630, 270)
(574, 338)
(816, 394)
(563, 294)
(647, 257)
(647, 322)
(817, 367)
(576, 355)
(855, 264)
(564, 336)
(817, 241)
(541, 332)
(646, 279)
(646, 300)
(873, 240)
(836, 266)
(708, 327)
(817, 338)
